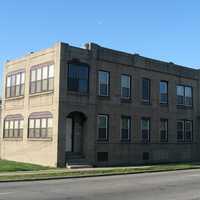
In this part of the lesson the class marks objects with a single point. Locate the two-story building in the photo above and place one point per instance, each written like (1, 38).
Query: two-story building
(66, 105)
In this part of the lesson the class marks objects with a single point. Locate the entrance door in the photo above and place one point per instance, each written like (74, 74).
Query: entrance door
(74, 134)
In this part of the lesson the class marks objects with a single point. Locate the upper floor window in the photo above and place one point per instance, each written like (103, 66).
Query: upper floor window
(163, 92)
(103, 77)
(145, 129)
(184, 95)
(163, 130)
(15, 84)
(13, 126)
(125, 86)
(146, 90)
(102, 127)
(78, 77)
(40, 125)
(42, 78)
(125, 128)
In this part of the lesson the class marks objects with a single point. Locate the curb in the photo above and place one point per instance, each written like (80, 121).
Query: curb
(90, 176)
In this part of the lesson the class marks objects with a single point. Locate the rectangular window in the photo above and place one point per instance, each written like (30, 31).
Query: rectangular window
(42, 78)
(125, 128)
(163, 92)
(180, 130)
(102, 127)
(103, 77)
(125, 86)
(146, 90)
(188, 130)
(13, 128)
(184, 95)
(163, 130)
(40, 128)
(15, 85)
(78, 77)
(145, 129)
(188, 96)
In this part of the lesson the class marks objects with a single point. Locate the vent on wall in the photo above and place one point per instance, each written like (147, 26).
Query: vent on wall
(145, 155)
(102, 156)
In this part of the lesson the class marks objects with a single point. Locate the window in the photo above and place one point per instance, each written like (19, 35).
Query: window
(42, 78)
(180, 130)
(78, 77)
(15, 85)
(40, 125)
(188, 96)
(125, 128)
(102, 127)
(13, 127)
(163, 130)
(125, 86)
(145, 129)
(188, 130)
(103, 83)
(184, 95)
(146, 90)
(163, 92)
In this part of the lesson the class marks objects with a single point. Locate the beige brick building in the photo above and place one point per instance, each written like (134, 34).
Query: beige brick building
(69, 105)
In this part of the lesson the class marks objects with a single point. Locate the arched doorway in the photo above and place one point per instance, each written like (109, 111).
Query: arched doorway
(74, 132)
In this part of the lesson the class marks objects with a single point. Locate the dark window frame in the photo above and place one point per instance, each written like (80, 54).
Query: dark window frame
(146, 101)
(47, 134)
(166, 138)
(12, 87)
(88, 77)
(12, 134)
(34, 84)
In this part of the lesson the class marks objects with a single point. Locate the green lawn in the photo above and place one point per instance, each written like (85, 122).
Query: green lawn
(24, 171)
(12, 166)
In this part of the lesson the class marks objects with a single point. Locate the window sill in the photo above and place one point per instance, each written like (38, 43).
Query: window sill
(164, 104)
(185, 142)
(103, 97)
(40, 139)
(41, 93)
(184, 107)
(13, 98)
(77, 93)
(125, 100)
(146, 103)
(102, 141)
(125, 141)
(12, 139)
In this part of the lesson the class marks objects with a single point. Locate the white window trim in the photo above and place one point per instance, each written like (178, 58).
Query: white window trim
(106, 116)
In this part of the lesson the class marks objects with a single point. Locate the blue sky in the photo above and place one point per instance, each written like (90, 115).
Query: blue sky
(167, 30)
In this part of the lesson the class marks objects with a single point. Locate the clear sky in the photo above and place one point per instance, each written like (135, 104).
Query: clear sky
(162, 29)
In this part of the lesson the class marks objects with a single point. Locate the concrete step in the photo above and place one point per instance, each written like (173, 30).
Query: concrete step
(78, 166)
(74, 163)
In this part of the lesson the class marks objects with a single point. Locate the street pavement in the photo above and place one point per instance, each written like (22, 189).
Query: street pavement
(177, 185)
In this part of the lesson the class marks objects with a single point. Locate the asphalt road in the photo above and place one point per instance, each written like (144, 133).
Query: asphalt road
(165, 185)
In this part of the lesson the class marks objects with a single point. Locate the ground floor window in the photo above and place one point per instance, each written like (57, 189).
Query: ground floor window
(145, 129)
(184, 130)
(40, 125)
(163, 130)
(13, 127)
(125, 128)
(102, 127)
